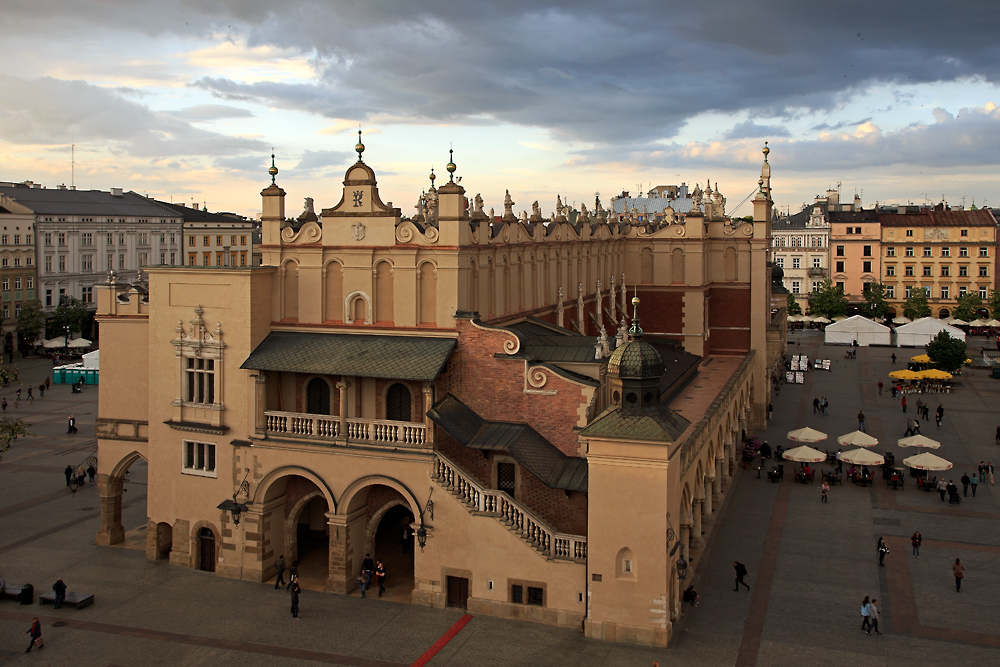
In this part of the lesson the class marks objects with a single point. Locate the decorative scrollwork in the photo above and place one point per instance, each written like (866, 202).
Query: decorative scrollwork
(678, 230)
(404, 232)
(432, 235)
(537, 377)
(512, 345)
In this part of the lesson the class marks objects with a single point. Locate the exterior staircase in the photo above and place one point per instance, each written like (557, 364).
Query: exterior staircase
(519, 520)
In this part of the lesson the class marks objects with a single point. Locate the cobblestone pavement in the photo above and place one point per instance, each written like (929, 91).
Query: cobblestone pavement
(810, 564)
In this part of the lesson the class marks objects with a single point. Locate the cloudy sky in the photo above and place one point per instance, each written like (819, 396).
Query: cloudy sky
(184, 99)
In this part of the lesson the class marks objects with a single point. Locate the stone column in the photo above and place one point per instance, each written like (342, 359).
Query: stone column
(428, 390)
(685, 541)
(696, 541)
(339, 578)
(717, 482)
(707, 505)
(260, 400)
(111, 530)
(342, 388)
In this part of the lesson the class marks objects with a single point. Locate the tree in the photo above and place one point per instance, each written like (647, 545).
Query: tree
(793, 306)
(10, 429)
(828, 300)
(969, 305)
(72, 314)
(946, 352)
(31, 321)
(916, 305)
(994, 304)
(876, 304)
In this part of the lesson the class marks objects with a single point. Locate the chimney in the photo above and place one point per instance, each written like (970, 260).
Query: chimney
(117, 192)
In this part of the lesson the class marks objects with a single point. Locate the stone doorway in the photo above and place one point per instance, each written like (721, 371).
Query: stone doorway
(311, 544)
(126, 481)
(396, 552)
(206, 550)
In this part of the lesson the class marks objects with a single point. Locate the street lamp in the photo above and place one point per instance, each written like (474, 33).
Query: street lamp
(682, 566)
(233, 507)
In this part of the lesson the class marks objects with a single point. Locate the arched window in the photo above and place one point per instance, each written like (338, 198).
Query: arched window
(398, 403)
(318, 397)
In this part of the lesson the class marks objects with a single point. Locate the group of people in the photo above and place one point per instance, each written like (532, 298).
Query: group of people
(821, 405)
(293, 582)
(951, 489)
(79, 475)
(371, 571)
(869, 615)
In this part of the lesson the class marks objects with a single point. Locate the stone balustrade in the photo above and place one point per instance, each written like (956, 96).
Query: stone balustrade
(326, 427)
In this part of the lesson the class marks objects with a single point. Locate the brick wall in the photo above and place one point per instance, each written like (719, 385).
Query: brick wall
(660, 311)
(729, 307)
(295, 489)
(378, 496)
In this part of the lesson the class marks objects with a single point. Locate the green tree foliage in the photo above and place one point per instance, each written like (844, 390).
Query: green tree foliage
(876, 304)
(10, 430)
(916, 306)
(828, 300)
(946, 352)
(793, 306)
(31, 321)
(969, 305)
(993, 303)
(71, 313)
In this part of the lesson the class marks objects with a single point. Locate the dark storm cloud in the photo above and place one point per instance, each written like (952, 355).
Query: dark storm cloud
(54, 111)
(827, 127)
(606, 72)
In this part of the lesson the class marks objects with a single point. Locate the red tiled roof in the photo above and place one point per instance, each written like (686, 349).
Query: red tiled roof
(979, 218)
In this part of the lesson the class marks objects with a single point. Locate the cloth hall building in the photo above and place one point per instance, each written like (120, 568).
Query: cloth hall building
(525, 417)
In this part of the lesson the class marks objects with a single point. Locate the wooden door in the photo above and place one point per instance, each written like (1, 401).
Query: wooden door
(207, 540)
(458, 592)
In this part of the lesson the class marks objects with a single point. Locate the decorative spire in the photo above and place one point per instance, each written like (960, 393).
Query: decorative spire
(765, 151)
(432, 177)
(273, 170)
(635, 331)
(360, 147)
(451, 166)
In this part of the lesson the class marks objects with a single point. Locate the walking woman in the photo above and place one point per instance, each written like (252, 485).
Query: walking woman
(36, 635)
(882, 551)
(865, 610)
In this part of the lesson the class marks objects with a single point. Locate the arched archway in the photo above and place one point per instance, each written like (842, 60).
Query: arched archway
(318, 397)
(112, 487)
(398, 403)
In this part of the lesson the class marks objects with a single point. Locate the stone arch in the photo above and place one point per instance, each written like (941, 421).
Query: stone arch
(333, 290)
(944, 313)
(290, 290)
(351, 493)
(110, 487)
(260, 494)
(376, 518)
(195, 544)
(427, 292)
(291, 549)
(357, 306)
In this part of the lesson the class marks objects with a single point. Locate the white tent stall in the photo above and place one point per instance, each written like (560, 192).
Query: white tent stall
(920, 332)
(857, 328)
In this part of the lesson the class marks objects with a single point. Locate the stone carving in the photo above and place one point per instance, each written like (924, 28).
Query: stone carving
(668, 215)
(358, 231)
(479, 204)
(536, 210)
(508, 205)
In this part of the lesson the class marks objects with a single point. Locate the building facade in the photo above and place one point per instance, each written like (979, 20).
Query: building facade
(483, 388)
(213, 239)
(800, 245)
(854, 251)
(948, 253)
(17, 265)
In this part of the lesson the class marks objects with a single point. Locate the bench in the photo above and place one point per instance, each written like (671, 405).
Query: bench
(78, 600)
(11, 591)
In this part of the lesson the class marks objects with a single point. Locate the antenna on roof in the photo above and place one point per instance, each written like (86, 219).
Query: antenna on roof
(72, 164)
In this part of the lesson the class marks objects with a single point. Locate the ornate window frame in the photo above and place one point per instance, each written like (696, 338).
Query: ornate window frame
(197, 342)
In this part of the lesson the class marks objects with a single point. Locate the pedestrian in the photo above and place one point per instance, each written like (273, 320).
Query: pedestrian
(904, 403)
(31, 397)
(36, 635)
(741, 571)
(69, 474)
(879, 387)
(380, 577)
(927, 412)
(81, 475)
(295, 598)
(893, 390)
(368, 567)
(72, 425)
(909, 428)
(363, 582)
(953, 497)
(3, 404)
(959, 571)
(59, 588)
(47, 381)
(861, 421)
(840, 461)
(998, 427)
(825, 405)
(816, 409)
(965, 484)
(938, 414)
(17, 397)
(916, 426)
(974, 483)
(873, 617)
(770, 409)
(293, 574)
(865, 611)
(920, 407)
(989, 471)
(915, 540)
(91, 472)
(823, 491)
(279, 572)
(893, 358)
(41, 390)
(883, 550)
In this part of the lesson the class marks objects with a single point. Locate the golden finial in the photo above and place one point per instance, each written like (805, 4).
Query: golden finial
(451, 166)
(360, 147)
(765, 151)
(273, 170)
(432, 177)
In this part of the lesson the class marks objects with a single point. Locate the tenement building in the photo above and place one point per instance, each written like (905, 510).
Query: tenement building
(524, 417)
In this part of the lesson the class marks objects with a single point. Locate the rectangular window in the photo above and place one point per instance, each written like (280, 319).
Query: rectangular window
(17, 283)
(780, 261)
(143, 238)
(817, 262)
(163, 258)
(17, 239)
(199, 458)
(890, 270)
(162, 239)
(111, 262)
(962, 291)
(232, 240)
(121, 239)
(909, 291)
(172, 256)
(143, 259)
(927, 272)
(62, 263)
(6, 311)
(982, 293)
(927, 252)
(218, 240)
(17, 261)
(29, 283)
(62, 238)
(965, 232)
(206, 259)
(909, 252)
(946, 251)
(87, 238)
(840, 251)
(841, 286)
(192, 258)
(517, 594)
(48, 238)
(27, 239)
(205, 240)
(909, 232)
(945, 271)
(890, 251)
(48, 264)
(48, 297)
(3, 239)
(984, 252)
(243, 258)
(840, 266)
(243, 240)
(171, 239)
(796, 262)
(908, 271)
(890, 291)
(867, 251)
(536, 596)
(944, 292)
(867, 267)
(200, 381)
(963, 252)
(796, 286)
(963, 272)
(984, 272)
(218, 259)
(5, 284)
(121, 261)
(190, 240)
(111, 238)
(87, 294)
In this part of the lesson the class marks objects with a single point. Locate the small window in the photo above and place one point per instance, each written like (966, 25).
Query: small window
(890, 291)
(796, 262)
(890, 251)
(927, 252)
(190, 240)
(909, 252)
(890, 270)
(199, 458)
(840, 267)
(536, 596)
(909, 232)
(867, 267)
(867, 251)
(963, 252)
(984, 252)
(206, 241)
(946, 251)
(963, 272)
(517, 594)
(944, 292)
(817, 262)
(965, 232)
(908, 271)
(945, 271)
(927, 272)
(984, 272)
(840, 251)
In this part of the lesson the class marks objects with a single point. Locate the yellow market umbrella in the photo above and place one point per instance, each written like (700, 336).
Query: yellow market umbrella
(862, 457)
(804, 454)
(905, 375)
(918, 441)
(857, 439)
(806, 435)
(935, 374)
(927, 461)
(921, 359)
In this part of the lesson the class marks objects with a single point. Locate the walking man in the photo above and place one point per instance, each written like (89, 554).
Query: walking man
(59, 588)
(974, 483)
(865, 610)
(893, 358)
(825, 405)
(938, 414)
(293, 575)
(879, 387)
(91, 473)
(904, 403)
(380, 577)
(942, 488)
(31, 397)
(861, 421)
(915, 540)
(816, 409)
(873, 617)
(295, 597)
(893, 390)
(916, 426)
(69, 474)
(741, 571)
(279, 572)
(959, 571)
(883, 549)
(72, 425)
(989, 471)
(965, 484)
(823, 492)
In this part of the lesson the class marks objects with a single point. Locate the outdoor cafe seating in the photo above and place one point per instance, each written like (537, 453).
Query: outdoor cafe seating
(927, 483)
(832, 477)
(804, 475)
(776, 474)
(896, 479)
(862, 477)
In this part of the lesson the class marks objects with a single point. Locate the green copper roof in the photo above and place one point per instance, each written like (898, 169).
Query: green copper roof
(659, 423)
(361, 355)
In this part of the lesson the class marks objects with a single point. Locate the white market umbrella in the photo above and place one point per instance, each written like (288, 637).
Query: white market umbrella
(901, 320)
(927, 461)
(993, 323)
(857, 439)
(838, 318)
(821, 320)
(806, 435)
(804, 454)
(957, 322)
(862, 457)
(80, 342)
(918, 441)
(978, 323)
(55, 342)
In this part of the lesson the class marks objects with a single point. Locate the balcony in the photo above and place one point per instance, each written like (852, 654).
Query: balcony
(381, 432)
(816, 272)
